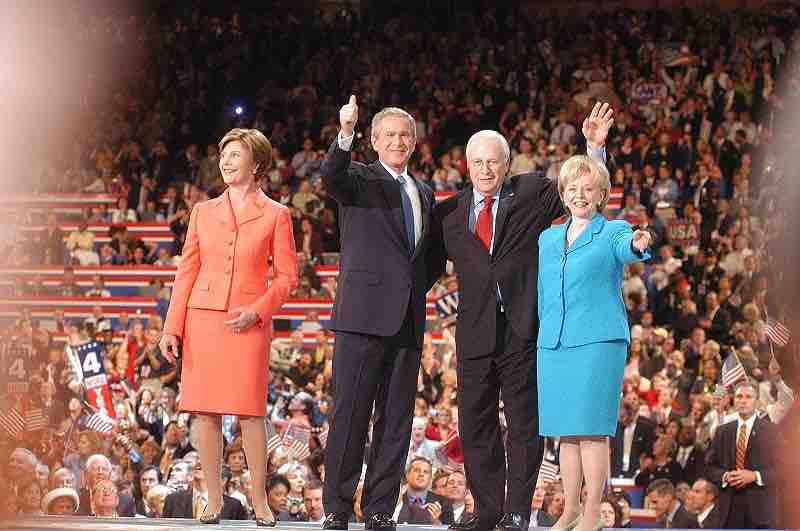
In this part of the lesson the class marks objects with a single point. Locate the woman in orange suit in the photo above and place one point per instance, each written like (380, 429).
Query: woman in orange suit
(221, 311)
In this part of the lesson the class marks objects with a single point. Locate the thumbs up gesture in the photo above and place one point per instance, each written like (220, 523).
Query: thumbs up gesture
(348, 116)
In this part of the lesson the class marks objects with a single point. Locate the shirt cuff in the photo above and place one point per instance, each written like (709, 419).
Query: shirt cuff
(758, 478)
(598, 155)
(345, 143)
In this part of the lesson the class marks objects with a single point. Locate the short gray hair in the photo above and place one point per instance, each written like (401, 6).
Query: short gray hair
(392, 111)
(487, 134)
(580, 165)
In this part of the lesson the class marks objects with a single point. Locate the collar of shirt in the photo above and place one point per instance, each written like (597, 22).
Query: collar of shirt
(673, 512)
(749, 423)
(704, 514)
(478, 199)
(393, 173)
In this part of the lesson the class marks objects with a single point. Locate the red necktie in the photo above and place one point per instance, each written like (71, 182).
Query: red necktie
(483, 226)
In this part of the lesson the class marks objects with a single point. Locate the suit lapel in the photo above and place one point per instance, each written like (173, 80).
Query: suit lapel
(506, 204)
(465, 208)
(588, 234)
(224, 212)
(253, 208)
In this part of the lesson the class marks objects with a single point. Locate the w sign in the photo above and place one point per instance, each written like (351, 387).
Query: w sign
(447, 307)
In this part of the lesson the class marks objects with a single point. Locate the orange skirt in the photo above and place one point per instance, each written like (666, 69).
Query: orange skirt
(223, 372)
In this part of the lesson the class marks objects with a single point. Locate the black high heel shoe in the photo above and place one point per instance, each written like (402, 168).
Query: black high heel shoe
(212, 518)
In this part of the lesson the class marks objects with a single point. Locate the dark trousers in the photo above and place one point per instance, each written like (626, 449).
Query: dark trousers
(741, 517)
(370, 370)
(510, 370)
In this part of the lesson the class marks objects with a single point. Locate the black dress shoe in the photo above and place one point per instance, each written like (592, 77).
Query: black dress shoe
(380, 522)
(263, 522)
(512, 522)
(473, 523)
(336, 521)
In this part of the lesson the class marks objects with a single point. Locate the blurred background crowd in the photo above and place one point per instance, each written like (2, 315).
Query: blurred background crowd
(702, 148)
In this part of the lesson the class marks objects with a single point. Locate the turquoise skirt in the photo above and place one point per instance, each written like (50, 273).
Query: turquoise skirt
(580, 388)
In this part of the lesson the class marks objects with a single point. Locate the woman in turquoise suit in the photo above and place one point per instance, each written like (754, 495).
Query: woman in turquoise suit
(583, 333)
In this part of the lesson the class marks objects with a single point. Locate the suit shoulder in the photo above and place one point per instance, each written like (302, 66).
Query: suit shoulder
(618, 225)
(446, 206)
(549, 234)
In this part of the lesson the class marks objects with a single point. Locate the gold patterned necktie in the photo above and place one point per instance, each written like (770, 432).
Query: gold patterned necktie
(741, 446)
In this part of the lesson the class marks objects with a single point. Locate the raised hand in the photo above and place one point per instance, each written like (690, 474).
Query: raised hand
(596, 125)
(641, 240)
(348, 116)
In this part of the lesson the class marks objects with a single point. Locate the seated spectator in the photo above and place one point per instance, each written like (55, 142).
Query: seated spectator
(192, 502)
(669, 511)
(104, 499)
(308, 240)
(164, 258)
(156, 498)
(61, 501)
(538, 517)
(52, 242)
(702, 501)
(418, 505)
(610, 513)
(80, 244)
(277, 492)
(303, 196)
(98, 288)
(151, 213)
(63, 478)
(661, 464)
(69, 287)
(459, 496)
(29, 498)
(420, 445)
(123, 214)
(20, 468)
(175, 446)
(312, 500)
(209, 176)
(145, 480)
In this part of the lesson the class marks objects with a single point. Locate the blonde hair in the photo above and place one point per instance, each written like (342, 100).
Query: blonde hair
(579, 165)
(260, 148)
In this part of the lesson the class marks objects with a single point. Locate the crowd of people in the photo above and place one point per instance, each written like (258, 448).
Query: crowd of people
(698, 96)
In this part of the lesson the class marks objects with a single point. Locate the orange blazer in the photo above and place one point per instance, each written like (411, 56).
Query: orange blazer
(224, 265)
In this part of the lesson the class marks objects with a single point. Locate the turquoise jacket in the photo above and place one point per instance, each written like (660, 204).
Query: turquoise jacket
(580, 289)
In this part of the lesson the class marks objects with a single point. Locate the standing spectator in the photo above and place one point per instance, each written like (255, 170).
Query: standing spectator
(52, 241)
(104, 499)
(123, 214)
(741, 464)
(192, 502)
(69, 287)
(209, 176)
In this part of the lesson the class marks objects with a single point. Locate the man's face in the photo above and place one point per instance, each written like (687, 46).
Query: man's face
(457, 486)
(745, 401)
(313, 501)
(419, 475)
(699, 496)
(148, 480)
(99, 470)
(418, 433)
(661, 503)
(487, 165)
(394, 141)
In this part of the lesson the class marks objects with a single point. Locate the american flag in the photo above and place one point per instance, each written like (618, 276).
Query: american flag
(777, 332)
(273, 438)
(732, 370)
(12, 422)
(323, 436)
(35, 419)
(100, 422)
(548, 472)
(295, 438)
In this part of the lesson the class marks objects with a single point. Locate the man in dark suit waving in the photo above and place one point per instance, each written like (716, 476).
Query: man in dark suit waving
(379, 313)
(490, 231)
(741, 464)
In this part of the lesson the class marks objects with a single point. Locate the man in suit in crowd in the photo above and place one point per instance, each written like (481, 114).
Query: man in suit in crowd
(670, 513)
(98, 468)
(490, 231)
(191, 502)
(539, 517)
(741, 464)
(690, 457)
(702, 500)
(378, 315)
(635, 437)
(418, 505)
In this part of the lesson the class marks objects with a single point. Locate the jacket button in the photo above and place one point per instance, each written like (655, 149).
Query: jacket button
(230, 258)
(227, 271)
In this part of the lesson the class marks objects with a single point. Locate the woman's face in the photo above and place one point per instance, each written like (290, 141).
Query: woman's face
(582, 195)
(236, 164)
(236, 462)
(607, 515)
(32, 496)
(277, 498)
(84, 446)
(297, 481)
